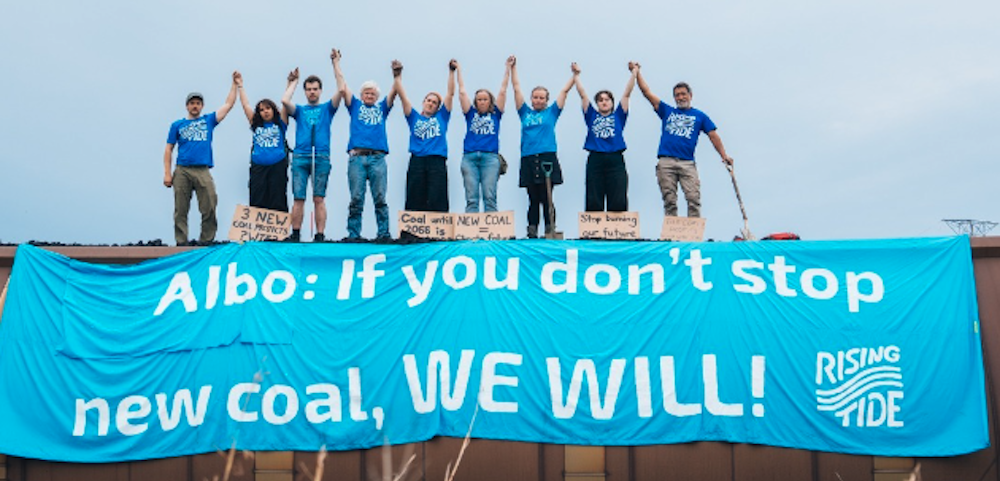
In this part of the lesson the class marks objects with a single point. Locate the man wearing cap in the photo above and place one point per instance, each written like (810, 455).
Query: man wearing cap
(193, 136)
(681, 127)
(311, 157)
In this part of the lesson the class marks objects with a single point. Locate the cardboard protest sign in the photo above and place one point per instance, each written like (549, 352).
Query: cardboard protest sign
(256, 224)
(486, 225)
(427, 225)
(683, 229)
(609, 225)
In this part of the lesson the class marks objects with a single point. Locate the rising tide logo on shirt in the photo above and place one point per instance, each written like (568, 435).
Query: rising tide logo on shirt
(483, 125)
(604, 127)
(532, 118)
(370, 115)
(427, 129)
(862, 386)
(196, 131)
(267, 137)
(680, 125)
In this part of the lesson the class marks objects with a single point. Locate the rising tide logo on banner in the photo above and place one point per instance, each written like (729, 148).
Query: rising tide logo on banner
(864, 347)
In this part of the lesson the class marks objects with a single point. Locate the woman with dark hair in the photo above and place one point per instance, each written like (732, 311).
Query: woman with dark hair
(607, 179)
(427, 173)
(481, 152)
(538, 148)
(268, 155)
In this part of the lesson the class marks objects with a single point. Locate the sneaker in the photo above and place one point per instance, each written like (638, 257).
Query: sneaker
(383, 239)
(319, 237)
(532, 231)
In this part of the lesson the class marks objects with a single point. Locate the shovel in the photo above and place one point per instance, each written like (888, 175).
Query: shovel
(745, 232)
(550, 233)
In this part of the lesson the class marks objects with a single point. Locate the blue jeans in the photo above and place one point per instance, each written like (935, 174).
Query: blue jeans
(370, 169)
(481, 170)
(302, 168)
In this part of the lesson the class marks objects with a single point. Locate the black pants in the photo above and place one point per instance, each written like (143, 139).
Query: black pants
(532, 178)
(607, 180)
(269, 186)
(427, 184)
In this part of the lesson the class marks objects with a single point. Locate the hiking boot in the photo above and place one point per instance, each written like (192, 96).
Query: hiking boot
(319, 237)
(532, 231)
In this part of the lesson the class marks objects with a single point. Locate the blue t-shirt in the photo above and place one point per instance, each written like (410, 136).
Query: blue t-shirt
(368, 125)
(604, 133)
(428, 135)
(538, 129)
(312, 127)
(268, 143)
(680, 131)
(194, 140)
(482, 131)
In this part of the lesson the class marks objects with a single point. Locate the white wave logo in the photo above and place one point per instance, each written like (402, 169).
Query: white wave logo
(870, 394)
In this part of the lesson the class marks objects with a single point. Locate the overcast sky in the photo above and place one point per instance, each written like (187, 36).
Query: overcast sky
(848, 119)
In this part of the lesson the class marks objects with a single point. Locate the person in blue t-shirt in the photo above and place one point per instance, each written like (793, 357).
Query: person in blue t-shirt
(607, 179)
(311, 157)
(268, 157)
(427, 173)
(367, 148)
(481, 149)
(538, 148)
(678, 139)
(193, 137)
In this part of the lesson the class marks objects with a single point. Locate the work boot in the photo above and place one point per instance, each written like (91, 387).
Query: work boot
(319, 237)
(532, 231)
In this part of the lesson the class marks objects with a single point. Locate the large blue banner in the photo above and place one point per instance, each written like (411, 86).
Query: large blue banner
(865, 347)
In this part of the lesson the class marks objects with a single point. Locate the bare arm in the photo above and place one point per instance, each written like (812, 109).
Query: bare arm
(717, 143)
(397, 82)
(230, 101)
(449, 96)
(628, 87)
(502, 94)
(561, 99)
(650, 96)
(463, 96)
(580, 90)
(518, 96)
(168, 177)
(339, 94)
(286, 100)
(342, 88)
(247, 109)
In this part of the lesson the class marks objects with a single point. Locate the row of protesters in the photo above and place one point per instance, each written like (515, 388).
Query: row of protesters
(426, 185)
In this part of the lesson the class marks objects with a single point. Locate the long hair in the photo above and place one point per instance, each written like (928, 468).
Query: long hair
(493, 101)
(258, 121)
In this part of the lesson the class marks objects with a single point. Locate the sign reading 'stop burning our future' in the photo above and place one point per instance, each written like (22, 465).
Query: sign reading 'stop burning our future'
(829, 346)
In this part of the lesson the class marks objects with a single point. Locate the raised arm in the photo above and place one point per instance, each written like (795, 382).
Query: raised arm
(561, 99)
(463, 96)
(286, 100)
(579, 88)
(629, 86)
(449, 96)
(502, 94)
(518, 96)
(650, 96)
(339, 94)
(168, 177)
(397, 88)
(230, 100)
(247, 109)
(717, 143)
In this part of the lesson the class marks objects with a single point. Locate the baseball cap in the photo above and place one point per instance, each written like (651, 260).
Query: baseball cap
(194, 95)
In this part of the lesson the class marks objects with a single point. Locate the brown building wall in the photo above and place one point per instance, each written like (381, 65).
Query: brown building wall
(486, 460)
